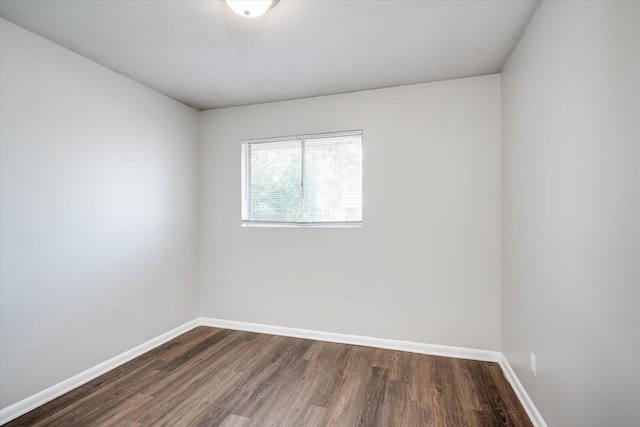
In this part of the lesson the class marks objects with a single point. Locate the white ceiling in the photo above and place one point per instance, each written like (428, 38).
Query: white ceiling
(202, 54)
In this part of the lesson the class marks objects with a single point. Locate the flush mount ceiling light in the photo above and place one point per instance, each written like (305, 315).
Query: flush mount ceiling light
(250, 8)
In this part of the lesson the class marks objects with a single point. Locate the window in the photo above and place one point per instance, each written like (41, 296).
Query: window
(308, 180)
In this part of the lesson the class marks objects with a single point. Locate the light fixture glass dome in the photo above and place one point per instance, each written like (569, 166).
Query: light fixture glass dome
(250, 8)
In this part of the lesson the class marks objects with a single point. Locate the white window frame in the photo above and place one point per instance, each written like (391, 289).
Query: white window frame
(245, 183)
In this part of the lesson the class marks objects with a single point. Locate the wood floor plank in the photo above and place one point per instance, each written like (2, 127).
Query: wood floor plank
(217, 377)
(330, 373)
(395, 408)
(423, 387)
(371, 410)
(314, 416)
(357, 373)
(288, 392)
(420, 414)
(122, 415)
(236, 421)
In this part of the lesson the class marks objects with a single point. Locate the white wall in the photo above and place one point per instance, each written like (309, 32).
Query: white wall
(571, 212)
(426, 265)
(98, 214)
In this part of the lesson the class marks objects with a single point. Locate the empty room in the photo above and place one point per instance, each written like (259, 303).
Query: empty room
(320, 213)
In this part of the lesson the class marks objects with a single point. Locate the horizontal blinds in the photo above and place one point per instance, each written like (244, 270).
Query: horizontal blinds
(333, 179)
(306, 180)
(274, 182)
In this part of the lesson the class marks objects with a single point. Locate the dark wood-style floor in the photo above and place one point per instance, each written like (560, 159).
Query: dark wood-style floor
(218, 377)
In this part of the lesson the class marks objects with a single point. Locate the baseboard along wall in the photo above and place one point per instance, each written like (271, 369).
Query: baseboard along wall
(518, 388)
(12, 412)
(412, 347)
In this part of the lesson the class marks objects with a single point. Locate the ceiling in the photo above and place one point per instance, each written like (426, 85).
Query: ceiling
(202, 54)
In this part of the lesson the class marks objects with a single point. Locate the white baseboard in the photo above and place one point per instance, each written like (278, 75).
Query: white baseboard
(12, 412)
(524, 398)
(412, 347)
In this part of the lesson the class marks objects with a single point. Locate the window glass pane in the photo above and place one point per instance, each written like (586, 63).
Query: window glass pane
(307, 180)
(275, 181)
(333, 179)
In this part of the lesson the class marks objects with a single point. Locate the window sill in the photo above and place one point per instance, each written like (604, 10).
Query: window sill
(251, 224)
